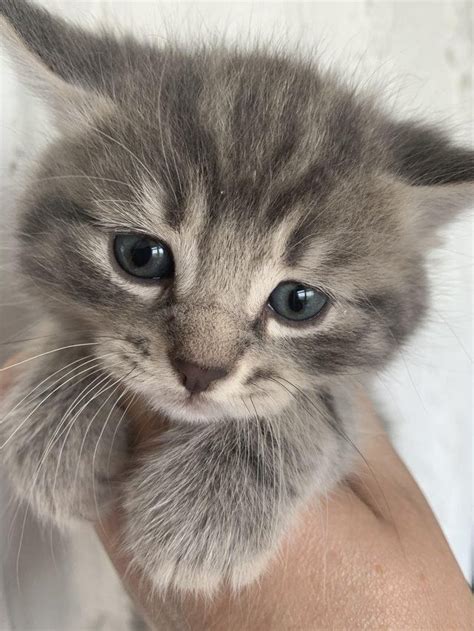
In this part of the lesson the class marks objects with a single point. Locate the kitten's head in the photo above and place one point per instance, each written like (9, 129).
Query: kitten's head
(231, 228)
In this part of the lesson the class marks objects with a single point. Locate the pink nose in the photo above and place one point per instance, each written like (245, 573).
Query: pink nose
(196, 378)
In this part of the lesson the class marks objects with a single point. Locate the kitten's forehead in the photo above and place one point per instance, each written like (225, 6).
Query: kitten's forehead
(219, 254)
(255, 134)
(254, 142)
(261, 133)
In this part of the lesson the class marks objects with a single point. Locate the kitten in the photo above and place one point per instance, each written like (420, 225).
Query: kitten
(236, 238)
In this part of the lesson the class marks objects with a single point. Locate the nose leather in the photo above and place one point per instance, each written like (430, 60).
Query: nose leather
(197, 378)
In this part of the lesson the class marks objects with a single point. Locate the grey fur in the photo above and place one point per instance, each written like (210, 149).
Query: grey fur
(255, 168)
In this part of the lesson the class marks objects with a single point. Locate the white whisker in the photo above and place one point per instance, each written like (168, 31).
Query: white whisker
(37, 407)
(56, 350)
(106, 422)
(84, 363)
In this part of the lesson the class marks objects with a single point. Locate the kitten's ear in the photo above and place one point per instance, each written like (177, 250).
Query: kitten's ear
(63, 64)
(439, 175)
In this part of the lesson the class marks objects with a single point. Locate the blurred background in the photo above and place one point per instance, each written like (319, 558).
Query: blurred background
(419, 57)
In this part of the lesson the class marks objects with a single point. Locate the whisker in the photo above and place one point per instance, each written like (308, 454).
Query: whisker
(74, 408)
(27, 507)
(51, 440)
(56, 350)
(44, 337)
(17, 429)
(86, 360)
(115, 384)
(106, 422)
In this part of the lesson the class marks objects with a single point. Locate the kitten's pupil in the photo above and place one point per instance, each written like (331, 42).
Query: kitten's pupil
(298, 298)
(142, 253)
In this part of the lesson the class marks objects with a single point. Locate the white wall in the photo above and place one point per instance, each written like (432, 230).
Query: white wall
(422, 52)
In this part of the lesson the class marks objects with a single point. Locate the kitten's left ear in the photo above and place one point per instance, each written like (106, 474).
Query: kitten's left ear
(65, 65)
(438, 176)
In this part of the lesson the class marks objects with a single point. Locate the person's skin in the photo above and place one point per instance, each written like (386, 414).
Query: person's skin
(369, 556)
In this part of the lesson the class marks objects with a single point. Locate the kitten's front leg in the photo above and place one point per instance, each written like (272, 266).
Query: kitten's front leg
(62, 435)
(210, 506)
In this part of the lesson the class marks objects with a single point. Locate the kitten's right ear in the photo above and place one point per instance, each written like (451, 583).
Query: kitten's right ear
(437, 175)
(61, 63)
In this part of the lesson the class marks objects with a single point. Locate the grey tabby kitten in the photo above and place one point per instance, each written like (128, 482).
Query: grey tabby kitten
(237, 239)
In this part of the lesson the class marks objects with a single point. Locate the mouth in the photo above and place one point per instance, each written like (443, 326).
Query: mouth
(198, 403)
(194, 398)
(191, 407)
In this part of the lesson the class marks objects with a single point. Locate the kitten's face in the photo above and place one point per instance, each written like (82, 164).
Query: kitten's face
(233, 181)
(245, 177)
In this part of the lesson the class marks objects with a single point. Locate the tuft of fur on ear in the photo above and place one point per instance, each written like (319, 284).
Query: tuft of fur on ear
(61, 64)
(438, 175)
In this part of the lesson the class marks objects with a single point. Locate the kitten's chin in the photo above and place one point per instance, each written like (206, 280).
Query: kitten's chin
(196, 409)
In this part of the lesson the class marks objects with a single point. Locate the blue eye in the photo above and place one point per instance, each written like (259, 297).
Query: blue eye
(297, 302)
(143, 257)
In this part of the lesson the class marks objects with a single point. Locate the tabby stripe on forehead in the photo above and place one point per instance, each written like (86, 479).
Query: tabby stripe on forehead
(312, 189)
(187, 148)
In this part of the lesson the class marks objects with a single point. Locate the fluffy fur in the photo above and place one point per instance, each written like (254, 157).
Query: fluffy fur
(254, 168)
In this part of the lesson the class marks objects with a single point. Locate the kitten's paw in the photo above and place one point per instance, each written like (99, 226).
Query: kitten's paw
(249, 571)
(198, 567)
(207, 580)
(200, 513)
